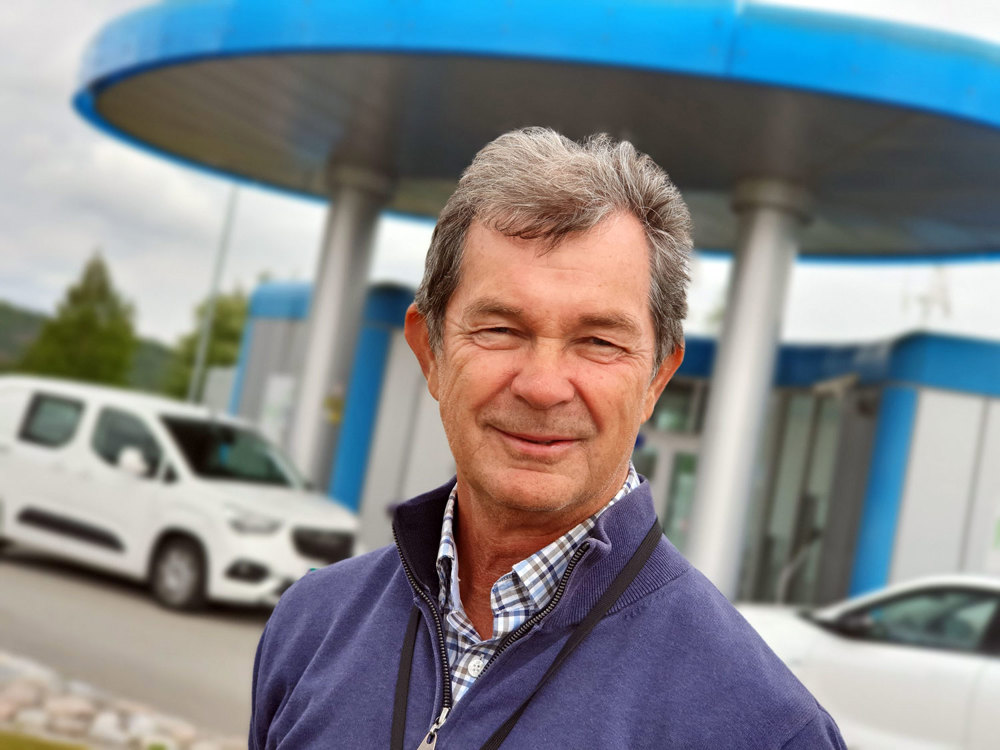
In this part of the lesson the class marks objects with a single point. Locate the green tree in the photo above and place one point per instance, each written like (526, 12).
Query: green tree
(91, 337)
(223, 345)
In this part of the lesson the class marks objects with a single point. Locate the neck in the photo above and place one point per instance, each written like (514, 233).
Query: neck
(490, 541)
(485, 554)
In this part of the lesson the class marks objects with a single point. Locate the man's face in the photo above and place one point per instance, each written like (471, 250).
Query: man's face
(545, 371)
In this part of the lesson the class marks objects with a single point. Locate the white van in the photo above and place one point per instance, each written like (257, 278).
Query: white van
(198, 504)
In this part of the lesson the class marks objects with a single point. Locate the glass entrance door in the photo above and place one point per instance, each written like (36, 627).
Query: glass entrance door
(669, 461)
(791, 511)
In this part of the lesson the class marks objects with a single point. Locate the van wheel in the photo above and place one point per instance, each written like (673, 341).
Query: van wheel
(177, 576)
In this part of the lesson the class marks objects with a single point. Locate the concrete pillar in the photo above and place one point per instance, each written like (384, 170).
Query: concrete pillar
(335, 311)
(771, 213)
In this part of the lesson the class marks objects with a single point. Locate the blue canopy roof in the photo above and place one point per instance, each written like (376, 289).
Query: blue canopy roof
(894, 128)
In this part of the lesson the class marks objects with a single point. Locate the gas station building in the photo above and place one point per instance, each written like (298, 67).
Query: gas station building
(874, 464)
(820, 471)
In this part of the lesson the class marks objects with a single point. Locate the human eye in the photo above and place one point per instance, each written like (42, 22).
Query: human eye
(601, 343)
(599, 348)
(495, 336)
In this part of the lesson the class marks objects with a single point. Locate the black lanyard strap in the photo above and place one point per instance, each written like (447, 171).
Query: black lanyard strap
(403, 681)
(596, 614)
(618, 586)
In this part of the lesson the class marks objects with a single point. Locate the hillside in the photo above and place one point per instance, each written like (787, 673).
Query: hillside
(19, 327)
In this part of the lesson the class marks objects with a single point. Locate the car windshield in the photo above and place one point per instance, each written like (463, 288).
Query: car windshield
(216, 450)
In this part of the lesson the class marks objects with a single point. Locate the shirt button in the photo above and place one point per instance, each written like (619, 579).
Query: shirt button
(476, 666)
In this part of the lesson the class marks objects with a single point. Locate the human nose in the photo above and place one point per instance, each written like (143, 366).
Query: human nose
(543, 378)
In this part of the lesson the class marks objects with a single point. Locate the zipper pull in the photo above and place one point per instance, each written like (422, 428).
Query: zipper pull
(431, 739)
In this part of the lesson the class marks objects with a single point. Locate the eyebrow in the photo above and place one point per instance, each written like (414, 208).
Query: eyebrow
(484, 307)
(607, 321)
(614, 321)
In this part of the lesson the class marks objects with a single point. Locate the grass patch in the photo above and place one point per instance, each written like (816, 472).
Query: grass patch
(11, 741)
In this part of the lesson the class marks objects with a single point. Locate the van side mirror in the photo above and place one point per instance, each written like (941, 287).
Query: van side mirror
(131, 461)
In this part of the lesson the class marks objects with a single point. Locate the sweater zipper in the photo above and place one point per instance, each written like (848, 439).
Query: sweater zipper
(431, 738)
(528, 624)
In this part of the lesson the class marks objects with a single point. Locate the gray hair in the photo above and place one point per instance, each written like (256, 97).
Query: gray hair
(537, 184)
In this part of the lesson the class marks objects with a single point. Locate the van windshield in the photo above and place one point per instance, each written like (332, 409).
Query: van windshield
(215, 450)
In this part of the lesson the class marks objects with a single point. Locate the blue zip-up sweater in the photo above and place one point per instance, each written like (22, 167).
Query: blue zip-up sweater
(672, 665)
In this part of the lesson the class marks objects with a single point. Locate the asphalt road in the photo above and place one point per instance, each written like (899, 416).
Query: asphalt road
(110, 633)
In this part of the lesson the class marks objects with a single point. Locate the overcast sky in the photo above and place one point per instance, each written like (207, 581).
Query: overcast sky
(66, 189)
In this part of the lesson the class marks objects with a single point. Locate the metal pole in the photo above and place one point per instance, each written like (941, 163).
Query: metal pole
(335, 319)
(198, 371)
(771, 213)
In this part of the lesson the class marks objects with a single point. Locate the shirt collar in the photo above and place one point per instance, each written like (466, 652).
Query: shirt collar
(539, 573)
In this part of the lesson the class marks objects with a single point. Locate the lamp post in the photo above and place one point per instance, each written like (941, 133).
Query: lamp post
(195, 386)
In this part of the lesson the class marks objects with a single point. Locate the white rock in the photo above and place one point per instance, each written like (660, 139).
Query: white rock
(8, 672)
(31, 719)
(69, 725)
(70, 705)
(22, 693)
(84, 690)
(37, 701)
(181, 731)
(37, 673)
(107, 729)
(131, 707)
(140, 725)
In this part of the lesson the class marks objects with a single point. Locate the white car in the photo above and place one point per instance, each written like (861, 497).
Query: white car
(915, 666)
(197, 504)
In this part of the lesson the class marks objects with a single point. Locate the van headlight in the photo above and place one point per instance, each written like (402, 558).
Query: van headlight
(246, 522)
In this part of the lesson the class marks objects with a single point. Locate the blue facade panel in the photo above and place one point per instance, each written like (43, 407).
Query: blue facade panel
(948, 362)
(884, 495)
(952, 363)
(358, 426)
(246, 342)
(385, 310)
(699, 356)
(287, 300)
(273, 300)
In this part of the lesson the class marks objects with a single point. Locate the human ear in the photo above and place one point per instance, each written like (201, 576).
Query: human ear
(660, 379)
(417, 336)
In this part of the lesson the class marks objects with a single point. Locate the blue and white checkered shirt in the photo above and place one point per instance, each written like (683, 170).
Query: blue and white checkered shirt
(515, 596)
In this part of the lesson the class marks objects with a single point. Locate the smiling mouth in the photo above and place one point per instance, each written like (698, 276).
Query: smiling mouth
(538, 439)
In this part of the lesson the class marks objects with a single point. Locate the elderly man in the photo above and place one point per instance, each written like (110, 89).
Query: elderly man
(532, 601)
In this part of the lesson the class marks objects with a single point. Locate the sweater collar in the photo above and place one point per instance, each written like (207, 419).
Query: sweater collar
(615, 537)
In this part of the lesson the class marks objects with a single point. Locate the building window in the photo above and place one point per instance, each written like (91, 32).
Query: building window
(680, 407)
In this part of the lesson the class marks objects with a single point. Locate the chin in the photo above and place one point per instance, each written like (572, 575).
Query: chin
(533, 491)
